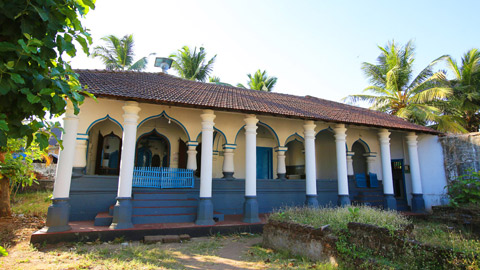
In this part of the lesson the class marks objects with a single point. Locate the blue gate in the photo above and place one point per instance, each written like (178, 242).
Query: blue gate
(162, 177)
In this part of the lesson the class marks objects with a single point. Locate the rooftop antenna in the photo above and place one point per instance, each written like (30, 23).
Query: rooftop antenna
(164, 63)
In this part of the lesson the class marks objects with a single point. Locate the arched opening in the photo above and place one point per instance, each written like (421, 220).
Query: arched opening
(217, 159)
(266, 160)
(104, 148)
(152, 150)
(359, 159)
(326, 155)
(161, 142)
(295, 160)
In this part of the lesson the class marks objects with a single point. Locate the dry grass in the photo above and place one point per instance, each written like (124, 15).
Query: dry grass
(339, 217)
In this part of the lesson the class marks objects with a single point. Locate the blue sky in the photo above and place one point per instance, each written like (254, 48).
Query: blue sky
(313, 47)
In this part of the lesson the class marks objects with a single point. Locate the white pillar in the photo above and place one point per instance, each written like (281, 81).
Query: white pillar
(122, 211)
(59, 211)
(414, 163)
(192, 155)
(127, 161)
(370, 158)
(350, 163)
(80, 160)
(250, 206)
(228, 165)
(281, 167)
(310, 168)
(340, 140)
(207, 154)
(63, 176)
(205, 205)
(418, 203)
(384, 137)
(251, 155)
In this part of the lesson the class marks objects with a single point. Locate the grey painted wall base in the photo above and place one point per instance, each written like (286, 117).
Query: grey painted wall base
(122, 214)
(418, 203)
(57, 216)
(389, 202)
(228, 176)
(250, 210)
(205, 212)
(78, 171)
(282, 176)
(343, 200)
(311, 201)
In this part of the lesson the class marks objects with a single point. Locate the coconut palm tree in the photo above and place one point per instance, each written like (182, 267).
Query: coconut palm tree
(117, 54)
(260, 81)
(394, 90)
(192, 65)
(466, 88)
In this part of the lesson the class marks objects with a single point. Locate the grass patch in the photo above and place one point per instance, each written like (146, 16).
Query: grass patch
(458, 239)
(339, 217)
(133, 256)
(32, 203)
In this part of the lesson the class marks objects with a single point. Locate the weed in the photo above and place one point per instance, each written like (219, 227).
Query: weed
(3, 251)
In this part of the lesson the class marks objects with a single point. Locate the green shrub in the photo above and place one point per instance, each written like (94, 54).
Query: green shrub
(465, 189)
(339, 217)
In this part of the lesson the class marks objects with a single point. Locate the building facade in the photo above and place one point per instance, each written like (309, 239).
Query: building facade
(232, 151)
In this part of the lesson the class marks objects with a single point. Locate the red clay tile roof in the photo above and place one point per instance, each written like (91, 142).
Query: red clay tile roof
(167, 89)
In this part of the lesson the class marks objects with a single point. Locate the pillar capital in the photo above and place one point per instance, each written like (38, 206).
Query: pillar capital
(281, 149)
(340, 132)
(69, 110)
(131, 110)
(384, 135)
(250, 120)
(309, 129)
(350, 153)
(370, 154)
(192, 143)
(208, 116)
(229, 146)
(411, 139)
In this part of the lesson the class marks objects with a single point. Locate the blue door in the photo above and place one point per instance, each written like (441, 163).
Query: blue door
(264, 163)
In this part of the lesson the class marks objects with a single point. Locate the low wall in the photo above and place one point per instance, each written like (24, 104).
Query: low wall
(91, 194)
(467, 217)
(321, 245)
(302, 240)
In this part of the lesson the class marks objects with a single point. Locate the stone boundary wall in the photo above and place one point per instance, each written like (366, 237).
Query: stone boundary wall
(461, 152)
(302, 240)
(319, 244)
(467, 217)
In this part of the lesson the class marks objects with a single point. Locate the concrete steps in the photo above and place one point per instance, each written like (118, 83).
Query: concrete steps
(158, 207)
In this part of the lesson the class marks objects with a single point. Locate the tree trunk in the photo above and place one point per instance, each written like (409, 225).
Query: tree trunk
(5, 210)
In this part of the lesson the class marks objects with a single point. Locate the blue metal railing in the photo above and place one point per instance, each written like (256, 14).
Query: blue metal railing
(162, 177)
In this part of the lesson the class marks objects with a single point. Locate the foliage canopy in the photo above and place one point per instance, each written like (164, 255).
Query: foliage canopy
(260, 81)
(34, 77)
(465, 101)
(395, 90)
(192, 65)
(118, 54)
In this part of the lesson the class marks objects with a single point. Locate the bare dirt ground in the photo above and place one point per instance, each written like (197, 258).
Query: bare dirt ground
(216, 252)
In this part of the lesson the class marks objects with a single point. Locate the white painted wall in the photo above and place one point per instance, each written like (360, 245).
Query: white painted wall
(186, 124)
(432, 170)
(326, 157)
